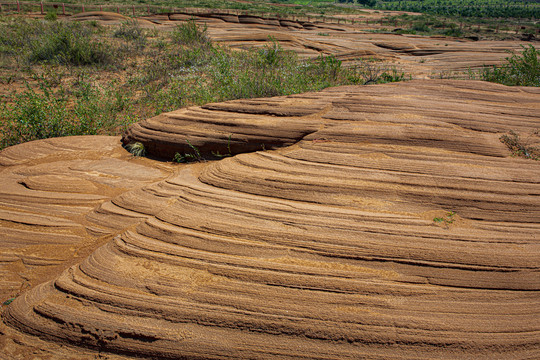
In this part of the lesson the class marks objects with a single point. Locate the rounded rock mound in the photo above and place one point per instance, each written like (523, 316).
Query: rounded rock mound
(383, 221)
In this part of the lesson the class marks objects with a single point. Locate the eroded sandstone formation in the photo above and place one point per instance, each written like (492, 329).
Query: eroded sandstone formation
(378, 222)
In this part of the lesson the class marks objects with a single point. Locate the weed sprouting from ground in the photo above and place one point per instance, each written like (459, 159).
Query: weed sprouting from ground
(445, 220)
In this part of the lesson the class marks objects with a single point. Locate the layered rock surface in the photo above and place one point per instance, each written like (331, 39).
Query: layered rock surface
(381, 221)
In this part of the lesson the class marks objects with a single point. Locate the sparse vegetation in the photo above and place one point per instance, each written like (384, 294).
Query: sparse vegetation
(520, 147)
(77, 84)
(276, 7)
(44, 113)
(132, 32)
(448, 24)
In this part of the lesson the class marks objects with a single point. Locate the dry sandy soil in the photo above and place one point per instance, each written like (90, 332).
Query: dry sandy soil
(382, 222)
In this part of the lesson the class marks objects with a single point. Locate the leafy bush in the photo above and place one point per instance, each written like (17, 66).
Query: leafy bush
(519, 70)
(34, 116)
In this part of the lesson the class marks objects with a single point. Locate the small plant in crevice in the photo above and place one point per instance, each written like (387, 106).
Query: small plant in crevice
(8, 301)
(14, 295)
(136, 149)
(521, 147)
(188, 157)
(216, 154)
(445, 220)
(369, 71)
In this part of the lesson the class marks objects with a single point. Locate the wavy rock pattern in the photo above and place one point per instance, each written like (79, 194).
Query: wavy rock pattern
(48, 187)
(324, 248)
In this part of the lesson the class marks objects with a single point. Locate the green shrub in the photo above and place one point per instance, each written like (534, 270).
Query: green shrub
(68, 45)
(34, 116)
(131, 31)
(518, 70)
(271, 54)
(51, 16)
(45, 42)
(190, 33)
(46, 113)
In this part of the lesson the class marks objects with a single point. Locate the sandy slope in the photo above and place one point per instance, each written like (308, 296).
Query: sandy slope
(324, 246)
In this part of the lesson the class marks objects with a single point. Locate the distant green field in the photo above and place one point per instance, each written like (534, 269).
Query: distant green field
(467, 8)
(283, 7)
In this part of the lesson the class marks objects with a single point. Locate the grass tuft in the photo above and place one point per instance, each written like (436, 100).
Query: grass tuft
(136, 149)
